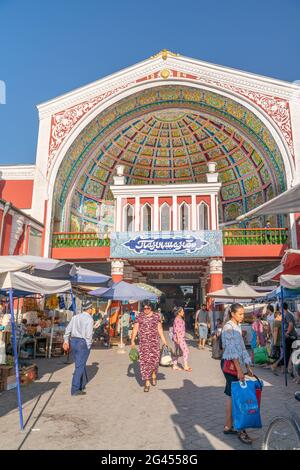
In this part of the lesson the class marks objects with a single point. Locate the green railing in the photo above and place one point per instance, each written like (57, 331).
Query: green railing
(234, 236)
(255, 236)
(79, 239)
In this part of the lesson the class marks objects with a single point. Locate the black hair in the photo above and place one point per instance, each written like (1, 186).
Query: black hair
(271, 308)
(234, 308)
(285, 306)
(147, 304)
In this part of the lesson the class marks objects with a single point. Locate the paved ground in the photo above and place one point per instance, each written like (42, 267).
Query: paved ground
(185, 410)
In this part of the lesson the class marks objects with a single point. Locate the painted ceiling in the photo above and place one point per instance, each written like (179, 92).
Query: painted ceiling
(167, 135)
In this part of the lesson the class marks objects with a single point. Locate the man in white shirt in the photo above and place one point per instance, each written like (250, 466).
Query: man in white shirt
(79, 334)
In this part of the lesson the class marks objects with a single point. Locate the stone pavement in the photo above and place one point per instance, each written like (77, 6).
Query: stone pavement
(185, 410)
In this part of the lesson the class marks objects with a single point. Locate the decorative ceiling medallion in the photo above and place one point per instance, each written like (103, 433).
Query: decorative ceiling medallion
(165, 73)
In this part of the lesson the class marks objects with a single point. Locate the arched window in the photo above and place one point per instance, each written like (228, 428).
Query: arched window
(146, 218)
(165, 217)
(203, 223)
(184, 217)
(128, 219)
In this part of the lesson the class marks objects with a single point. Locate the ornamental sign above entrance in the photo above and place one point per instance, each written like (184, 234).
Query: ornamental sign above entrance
(189, 244)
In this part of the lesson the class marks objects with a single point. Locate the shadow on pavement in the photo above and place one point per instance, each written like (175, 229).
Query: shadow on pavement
(9, 402)
(92, 370)
(134, 371)
(191, 403)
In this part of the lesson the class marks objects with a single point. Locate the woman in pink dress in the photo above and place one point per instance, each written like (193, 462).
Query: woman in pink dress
(179, 340)
(148, 326)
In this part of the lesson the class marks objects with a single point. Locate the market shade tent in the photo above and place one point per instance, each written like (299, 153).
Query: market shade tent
(123, 291)
(36, 262)
(290, 264)
(20, 283)
(52, 269)
(241, 291)
(286, 203)
(24, 284)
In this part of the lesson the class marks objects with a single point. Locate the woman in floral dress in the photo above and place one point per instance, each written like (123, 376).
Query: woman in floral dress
(149, 328)
(179, 341)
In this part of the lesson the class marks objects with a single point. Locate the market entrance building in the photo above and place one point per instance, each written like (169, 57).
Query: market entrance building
(173, 149)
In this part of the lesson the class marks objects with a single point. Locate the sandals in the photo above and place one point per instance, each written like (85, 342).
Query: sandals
(146, 388)
(227, 430)
(189, 369)
(154, 381)
(244, 438)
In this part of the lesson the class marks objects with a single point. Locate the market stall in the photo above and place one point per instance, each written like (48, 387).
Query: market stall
(288, 274)
(20, 284)
(245, 294)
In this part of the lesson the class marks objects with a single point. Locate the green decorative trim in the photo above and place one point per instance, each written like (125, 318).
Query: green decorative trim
(255, 237)
(86, 240)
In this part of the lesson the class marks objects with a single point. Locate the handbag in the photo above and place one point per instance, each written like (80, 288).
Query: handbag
(245, 407)
(165, 357)
(134, 355)
(229, 367)
(260, 355)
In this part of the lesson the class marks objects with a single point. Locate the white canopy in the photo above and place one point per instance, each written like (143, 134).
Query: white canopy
(290, 281)
(285, 203)
(25, 283)
(10, 263)
(38, 262)
(241, 291)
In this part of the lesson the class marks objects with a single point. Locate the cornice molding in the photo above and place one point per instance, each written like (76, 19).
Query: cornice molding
(165, 190)
(17, 172)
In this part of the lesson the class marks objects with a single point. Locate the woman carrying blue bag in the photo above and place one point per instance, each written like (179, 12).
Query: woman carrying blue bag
(245, 406)
(235, 358)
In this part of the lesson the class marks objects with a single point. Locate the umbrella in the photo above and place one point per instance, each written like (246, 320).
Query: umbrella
(123, 291)
(148, 288)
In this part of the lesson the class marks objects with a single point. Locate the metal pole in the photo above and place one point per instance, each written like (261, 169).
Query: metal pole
(13, 332)
(51, 336)
(73, 302)
(283, 335)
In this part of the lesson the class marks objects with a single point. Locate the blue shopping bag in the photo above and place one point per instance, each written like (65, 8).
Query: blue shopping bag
(245, 407)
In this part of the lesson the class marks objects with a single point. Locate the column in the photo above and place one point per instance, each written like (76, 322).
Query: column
(175, 214)
(119, 221)
(193, 225)
(156, 215)
(213, 222)
(203, 282)
(216, 277)
(117, 270)
(137, 214)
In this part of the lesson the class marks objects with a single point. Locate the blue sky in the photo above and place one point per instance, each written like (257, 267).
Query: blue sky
(49, 47)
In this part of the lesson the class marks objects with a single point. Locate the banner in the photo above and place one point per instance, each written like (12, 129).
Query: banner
(187, 244)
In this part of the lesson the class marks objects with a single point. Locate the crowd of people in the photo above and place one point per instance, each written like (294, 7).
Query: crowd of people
(227, 340)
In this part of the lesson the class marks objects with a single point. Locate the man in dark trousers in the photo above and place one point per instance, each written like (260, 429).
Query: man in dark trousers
(79, 334)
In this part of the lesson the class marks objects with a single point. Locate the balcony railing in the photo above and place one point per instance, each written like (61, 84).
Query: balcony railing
(79, 239)
(255, 236)
(234, 236)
